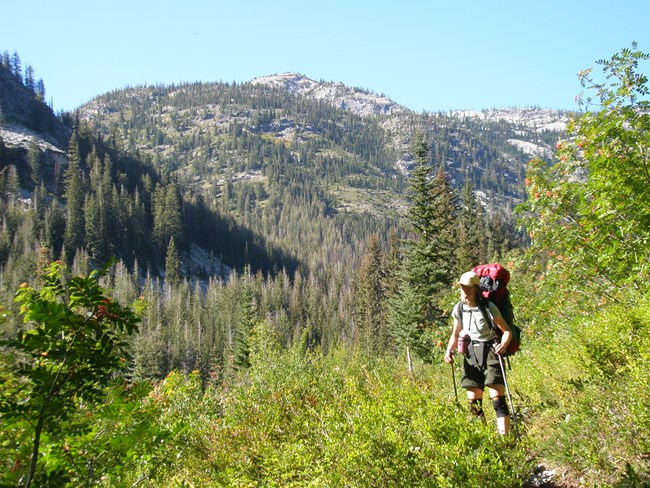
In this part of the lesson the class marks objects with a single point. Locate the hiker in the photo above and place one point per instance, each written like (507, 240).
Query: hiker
(481, 366)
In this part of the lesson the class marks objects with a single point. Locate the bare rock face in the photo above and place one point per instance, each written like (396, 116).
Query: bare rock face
(19, 107)
(356, 100)
(28, 124)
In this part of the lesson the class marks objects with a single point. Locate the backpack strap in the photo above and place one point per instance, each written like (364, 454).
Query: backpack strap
(483, 306)
(487, 317)
(459, 306)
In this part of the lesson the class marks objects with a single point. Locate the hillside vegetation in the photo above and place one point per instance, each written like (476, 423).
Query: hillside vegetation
(316, 359)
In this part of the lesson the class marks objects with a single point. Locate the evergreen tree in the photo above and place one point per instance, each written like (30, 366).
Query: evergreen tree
(429, 256)
(369, 298)
(74, 195)
(167, 215)
(55, 225)
(34, 158)
(30, 84)
(100, 232)
(12, 184)
(39, 198)
(40, 90)
(17, 66)
(108, 211)
(6, 60)
(405, 316)
(430, 253)
(391, 264)
(172, 265)
(483, 233)
(246, 323)
(470, 230)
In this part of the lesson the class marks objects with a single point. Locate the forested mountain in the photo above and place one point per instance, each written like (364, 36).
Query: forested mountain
(307, 163)
(302, 183)
(294, 179)
(305, 170)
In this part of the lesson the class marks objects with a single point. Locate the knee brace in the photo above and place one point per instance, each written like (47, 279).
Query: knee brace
(476, 407)
(500, 406)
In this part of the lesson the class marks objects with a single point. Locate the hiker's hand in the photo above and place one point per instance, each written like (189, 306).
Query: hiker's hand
(500, 349)
(449, 357)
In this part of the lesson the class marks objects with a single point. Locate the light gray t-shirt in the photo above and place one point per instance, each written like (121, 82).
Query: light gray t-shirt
(474, 322)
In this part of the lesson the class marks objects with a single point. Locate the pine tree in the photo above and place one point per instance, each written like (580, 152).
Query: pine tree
(246, 323)
(101, 233)
(30, 84)
(17, 66)
(74, 195)
(6, 60)
(369, 298)
(405, 317)
(94, 243)
(167, 216)
(482, 233)
(391, 264)
(108, 210)
(95, 239)
(429, 262)
(12, 183)
(470, 230)
(40, 90)
(430, 252)
(172, 265)
(34, 158)
(55, 225)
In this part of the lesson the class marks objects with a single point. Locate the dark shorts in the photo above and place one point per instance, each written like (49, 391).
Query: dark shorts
(477, 377)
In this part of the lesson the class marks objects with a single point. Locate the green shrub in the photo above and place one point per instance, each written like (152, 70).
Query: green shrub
(60, 364)
(304, 419)
(585, 388)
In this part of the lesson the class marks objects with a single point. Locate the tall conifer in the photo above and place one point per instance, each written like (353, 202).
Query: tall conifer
(74, 195)
(34, 157)
(172, 265)
(370, 297)
(430, 252)
(429, 255)
(245, 324)
(470, 230)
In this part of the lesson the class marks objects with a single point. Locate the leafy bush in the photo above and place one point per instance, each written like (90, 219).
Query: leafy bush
(298, 418)
(73, 341)
(584, 391)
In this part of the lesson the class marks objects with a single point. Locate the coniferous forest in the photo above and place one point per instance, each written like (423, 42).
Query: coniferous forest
(216, 284)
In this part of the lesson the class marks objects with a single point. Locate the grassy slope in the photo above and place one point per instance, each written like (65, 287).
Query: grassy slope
(297, 418)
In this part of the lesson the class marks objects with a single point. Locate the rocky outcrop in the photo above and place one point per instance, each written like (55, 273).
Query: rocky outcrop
(356, 100)
(20, 107)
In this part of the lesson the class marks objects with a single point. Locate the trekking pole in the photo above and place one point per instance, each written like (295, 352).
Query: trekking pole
(505, 382)
(453, 378)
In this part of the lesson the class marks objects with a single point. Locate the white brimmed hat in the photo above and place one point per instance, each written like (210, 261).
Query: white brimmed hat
(469, 279)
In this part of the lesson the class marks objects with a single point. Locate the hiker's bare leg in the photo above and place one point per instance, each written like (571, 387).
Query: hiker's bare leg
(475, 402)
(498, 397)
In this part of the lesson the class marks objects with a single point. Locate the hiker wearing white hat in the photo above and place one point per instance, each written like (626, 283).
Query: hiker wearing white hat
(481, 365)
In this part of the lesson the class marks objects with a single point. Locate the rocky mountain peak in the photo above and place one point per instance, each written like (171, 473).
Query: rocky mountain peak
(359, 101)
(535, 118)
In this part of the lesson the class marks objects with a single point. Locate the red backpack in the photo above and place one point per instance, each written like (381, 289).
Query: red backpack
(494, 288)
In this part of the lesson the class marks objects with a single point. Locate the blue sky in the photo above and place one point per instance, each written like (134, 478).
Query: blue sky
(424, 54)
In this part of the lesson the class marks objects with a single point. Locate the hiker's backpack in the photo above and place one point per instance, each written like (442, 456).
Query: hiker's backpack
(494, 288)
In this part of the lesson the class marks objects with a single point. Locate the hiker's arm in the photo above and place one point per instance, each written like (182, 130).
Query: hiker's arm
(453, 341)
(505, 338)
